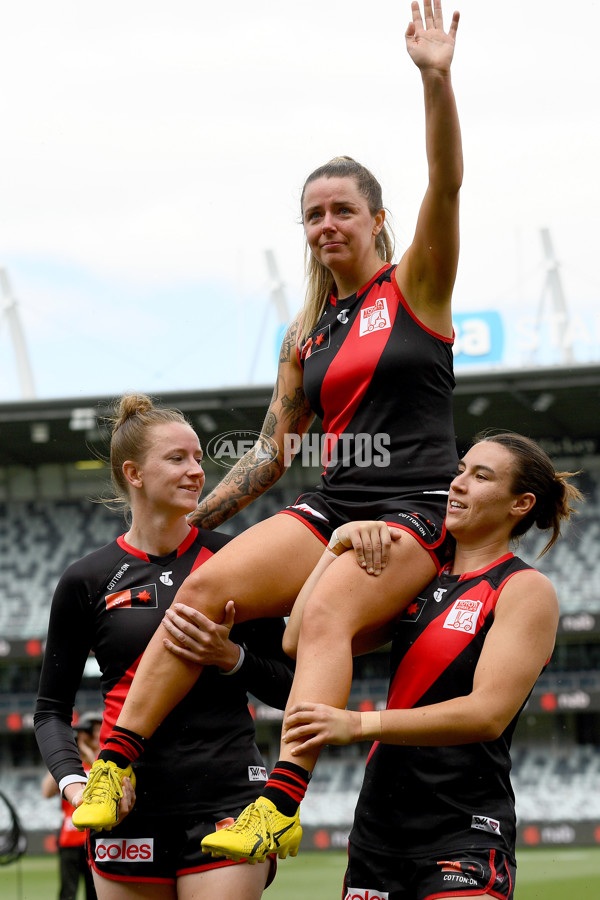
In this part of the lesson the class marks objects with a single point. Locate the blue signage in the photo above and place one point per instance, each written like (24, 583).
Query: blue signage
(479, 338)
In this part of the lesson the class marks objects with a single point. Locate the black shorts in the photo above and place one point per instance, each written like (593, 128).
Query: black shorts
(422, 514)
(159, 848)
(379, 877)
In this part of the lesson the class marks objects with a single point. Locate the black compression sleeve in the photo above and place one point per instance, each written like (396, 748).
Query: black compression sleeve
(267, 672)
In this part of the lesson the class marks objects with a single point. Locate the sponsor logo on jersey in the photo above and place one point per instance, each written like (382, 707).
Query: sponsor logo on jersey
(125, 850)
(374, 318)
(414, 610)
(438, 594)
(166, 578)
(319, 340)
(463, 615)
(342, 316)
(116, 578)
(142, 597)
(484, 823)
(257, 773)
(366, 894)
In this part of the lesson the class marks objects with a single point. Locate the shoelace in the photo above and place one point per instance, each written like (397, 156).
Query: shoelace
(247, 815)
(98, 790)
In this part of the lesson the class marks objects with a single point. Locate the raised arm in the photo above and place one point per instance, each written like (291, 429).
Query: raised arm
(515, 651)
(258, 470)
(427, 271)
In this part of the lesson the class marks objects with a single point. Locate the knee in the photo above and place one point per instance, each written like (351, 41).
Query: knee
(205, 592)
(323, 619)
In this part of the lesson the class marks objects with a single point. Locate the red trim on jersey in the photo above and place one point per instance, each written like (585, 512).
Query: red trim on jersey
(422, 664)
(116, 697)
(185, 544)
(492, 565)
(189, 540)
(343, 371)
(431, 548)
(111, 877)
(114, 701)
(202, 557)
(403, 301)
(335, 300)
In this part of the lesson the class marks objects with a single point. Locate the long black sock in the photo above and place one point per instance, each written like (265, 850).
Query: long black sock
(287, 786)
(122, 747)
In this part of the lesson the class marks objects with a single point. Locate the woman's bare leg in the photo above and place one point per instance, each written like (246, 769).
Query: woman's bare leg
(262, 571)
(243, 882)
(345, 603)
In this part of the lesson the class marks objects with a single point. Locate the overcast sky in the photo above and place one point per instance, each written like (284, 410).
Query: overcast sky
(152, 152)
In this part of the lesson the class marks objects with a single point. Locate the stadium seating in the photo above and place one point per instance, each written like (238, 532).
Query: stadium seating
(549, 785)
(39, 539)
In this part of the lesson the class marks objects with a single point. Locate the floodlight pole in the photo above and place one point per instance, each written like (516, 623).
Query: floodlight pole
(18, 338)
(553, 288)
(278, 300)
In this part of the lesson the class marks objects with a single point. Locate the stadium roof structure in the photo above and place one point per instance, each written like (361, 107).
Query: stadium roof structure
(559, 405)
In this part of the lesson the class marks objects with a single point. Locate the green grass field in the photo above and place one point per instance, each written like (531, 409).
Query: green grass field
(560, 874)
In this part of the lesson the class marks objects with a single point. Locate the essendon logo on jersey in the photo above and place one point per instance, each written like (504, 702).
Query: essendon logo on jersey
(319, 340)
(484, 823)
(141, 597)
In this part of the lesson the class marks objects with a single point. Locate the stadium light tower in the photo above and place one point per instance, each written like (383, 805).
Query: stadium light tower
(9, 308)
(553, 296)
(277, 299)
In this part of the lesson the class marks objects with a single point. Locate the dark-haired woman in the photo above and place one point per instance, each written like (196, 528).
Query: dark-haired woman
(202, 766)
(436, 814)
(371, 355)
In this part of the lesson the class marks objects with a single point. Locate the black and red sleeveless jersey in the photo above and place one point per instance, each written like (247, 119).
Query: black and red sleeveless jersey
(382, 384)
(111, 602)
(421, 800)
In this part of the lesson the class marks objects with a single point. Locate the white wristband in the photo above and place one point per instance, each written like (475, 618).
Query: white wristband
(71, 779)
(238, 664)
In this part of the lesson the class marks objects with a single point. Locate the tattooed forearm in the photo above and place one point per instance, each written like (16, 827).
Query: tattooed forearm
(248, 479)
(297, 411)
(288, 346)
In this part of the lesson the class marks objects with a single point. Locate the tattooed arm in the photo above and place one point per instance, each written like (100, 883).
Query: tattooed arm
(288, 413)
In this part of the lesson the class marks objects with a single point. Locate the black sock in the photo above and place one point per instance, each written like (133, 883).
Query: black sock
(122, 747)
(286, 787)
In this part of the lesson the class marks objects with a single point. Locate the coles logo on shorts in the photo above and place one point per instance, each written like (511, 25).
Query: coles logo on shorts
(125, 850)
(366, 894)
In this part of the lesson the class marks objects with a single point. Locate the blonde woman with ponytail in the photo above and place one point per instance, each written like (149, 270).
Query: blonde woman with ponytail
(370, 355)
(195, 770)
